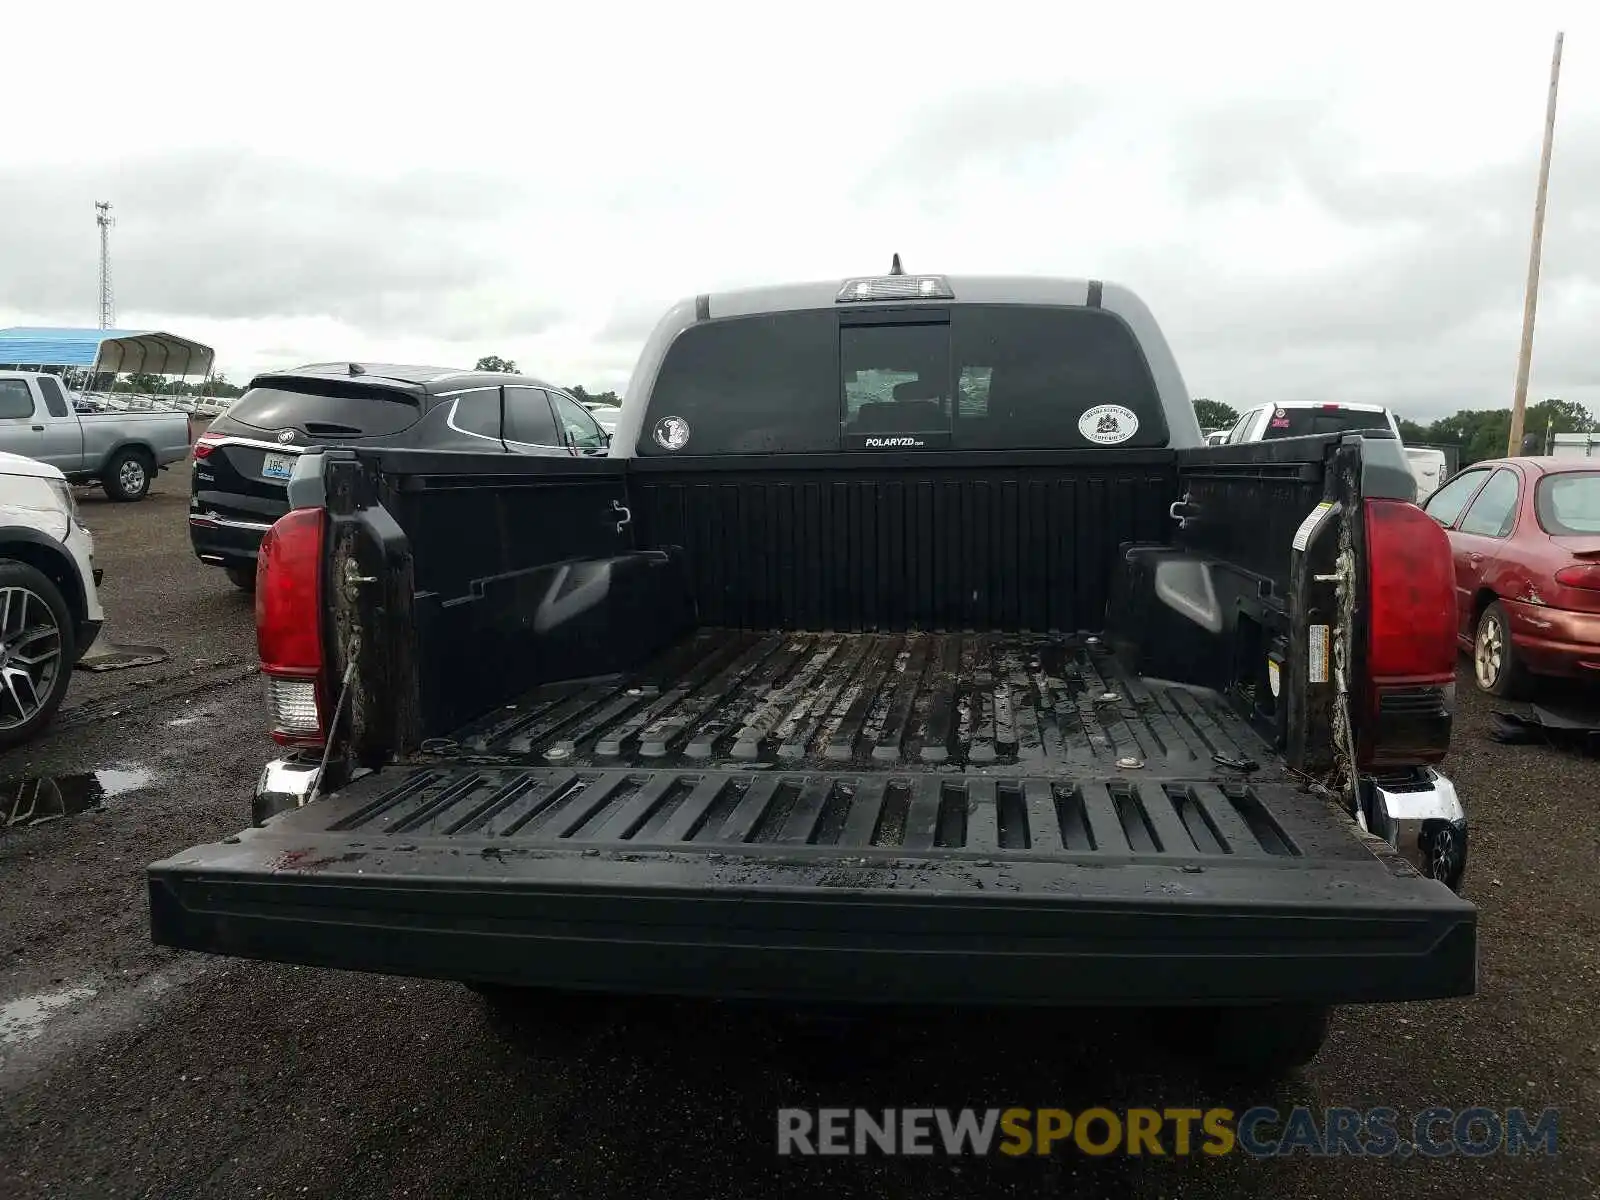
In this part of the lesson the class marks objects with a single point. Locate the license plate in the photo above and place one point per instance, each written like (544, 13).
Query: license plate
(278, 466)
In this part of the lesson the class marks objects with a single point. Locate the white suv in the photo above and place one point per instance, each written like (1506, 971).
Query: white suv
(50, 610)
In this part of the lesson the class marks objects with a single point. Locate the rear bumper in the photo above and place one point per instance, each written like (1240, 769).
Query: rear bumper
(226, 542)
(1554, 641)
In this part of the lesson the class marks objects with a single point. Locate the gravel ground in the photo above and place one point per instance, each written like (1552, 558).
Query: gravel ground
(184, 1076)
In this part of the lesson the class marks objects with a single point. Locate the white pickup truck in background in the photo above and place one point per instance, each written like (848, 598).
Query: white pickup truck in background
(1298, 418)
(122, 451)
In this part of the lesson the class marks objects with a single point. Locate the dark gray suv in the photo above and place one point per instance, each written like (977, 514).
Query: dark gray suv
(242, 463)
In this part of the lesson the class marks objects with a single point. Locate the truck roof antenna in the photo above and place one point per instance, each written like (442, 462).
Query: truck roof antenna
(895, 268)
(357, 369)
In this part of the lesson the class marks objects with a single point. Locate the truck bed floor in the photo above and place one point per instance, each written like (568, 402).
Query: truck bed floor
(1045, 705)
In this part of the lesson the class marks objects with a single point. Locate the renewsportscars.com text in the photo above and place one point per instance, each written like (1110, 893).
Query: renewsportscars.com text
(1260, 1132)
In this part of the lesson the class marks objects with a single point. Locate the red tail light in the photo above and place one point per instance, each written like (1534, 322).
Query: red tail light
(205, 444)
(1411, 638)
(289, 625)
(1580, 575)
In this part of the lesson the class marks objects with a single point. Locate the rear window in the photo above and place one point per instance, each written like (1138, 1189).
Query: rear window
(1569, 503)
(747, 385)
(53, 399)
(1051, 377)
(332, 410)
(976, 377)
(1303, 422)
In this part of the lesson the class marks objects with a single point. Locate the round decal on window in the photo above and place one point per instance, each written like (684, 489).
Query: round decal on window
(672, 433)
(1108, 424)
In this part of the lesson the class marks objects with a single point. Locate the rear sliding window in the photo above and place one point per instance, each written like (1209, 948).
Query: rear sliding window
(989, 377)
(326, 410)
(1303, 422)
(1569, 504)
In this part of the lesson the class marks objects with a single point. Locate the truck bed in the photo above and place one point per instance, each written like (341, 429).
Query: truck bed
(1052, 705)
(814, 817)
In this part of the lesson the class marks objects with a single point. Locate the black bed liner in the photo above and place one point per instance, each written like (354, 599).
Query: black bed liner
(1041, 873)
(1046, 704)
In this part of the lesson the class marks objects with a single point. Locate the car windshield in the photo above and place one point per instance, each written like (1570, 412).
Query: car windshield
(1300, 422)
(1569, 503)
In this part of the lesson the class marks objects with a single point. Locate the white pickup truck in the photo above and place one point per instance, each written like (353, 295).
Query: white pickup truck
(122, 451)
(1299, 418)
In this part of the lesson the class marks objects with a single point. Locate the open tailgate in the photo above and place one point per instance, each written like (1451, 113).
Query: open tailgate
(935, 888)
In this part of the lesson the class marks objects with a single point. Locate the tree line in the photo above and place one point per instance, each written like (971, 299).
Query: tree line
(1477, 433)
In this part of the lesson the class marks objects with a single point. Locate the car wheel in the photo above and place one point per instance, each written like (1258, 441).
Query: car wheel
(243, 578)
(128, 475)
(37, 650)
(1495, 665)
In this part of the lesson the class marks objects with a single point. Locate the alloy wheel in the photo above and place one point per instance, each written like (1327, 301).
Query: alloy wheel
(30, 655)
(1489, 653)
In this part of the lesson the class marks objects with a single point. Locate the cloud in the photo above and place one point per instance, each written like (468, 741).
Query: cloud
(1309, 209)
(997, 129)
(234, 233)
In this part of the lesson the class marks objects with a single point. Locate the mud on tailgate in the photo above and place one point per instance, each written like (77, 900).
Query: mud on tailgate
(923, 887)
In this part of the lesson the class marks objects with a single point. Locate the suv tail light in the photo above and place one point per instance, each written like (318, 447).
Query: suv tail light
(205, 444)
(1411, 638)
(289, 625)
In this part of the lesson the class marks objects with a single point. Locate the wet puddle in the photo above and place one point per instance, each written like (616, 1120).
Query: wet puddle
(39, 800)
(25, 1018)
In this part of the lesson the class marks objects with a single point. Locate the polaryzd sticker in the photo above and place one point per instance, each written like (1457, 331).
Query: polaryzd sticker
(1108, 424)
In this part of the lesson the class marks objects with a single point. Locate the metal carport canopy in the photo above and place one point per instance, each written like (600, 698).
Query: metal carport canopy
(142, 351)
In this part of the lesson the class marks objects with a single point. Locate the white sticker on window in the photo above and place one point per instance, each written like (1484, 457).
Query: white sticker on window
(1317, 653)
(672, 433)
(1108, 424)
(1302, 536)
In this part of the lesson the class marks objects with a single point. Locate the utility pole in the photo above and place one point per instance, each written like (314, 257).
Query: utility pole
(104, 219)
(1519, 402)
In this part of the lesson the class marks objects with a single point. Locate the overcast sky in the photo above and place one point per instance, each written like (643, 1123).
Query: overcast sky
(1336, 208)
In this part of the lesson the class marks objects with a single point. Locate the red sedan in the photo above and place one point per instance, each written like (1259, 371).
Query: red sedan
(1525, 533)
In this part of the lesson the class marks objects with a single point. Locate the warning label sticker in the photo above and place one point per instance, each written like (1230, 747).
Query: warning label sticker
(1302, 536)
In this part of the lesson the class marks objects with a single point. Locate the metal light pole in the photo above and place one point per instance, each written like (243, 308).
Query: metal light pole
(104, 219)
(1519, 403)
